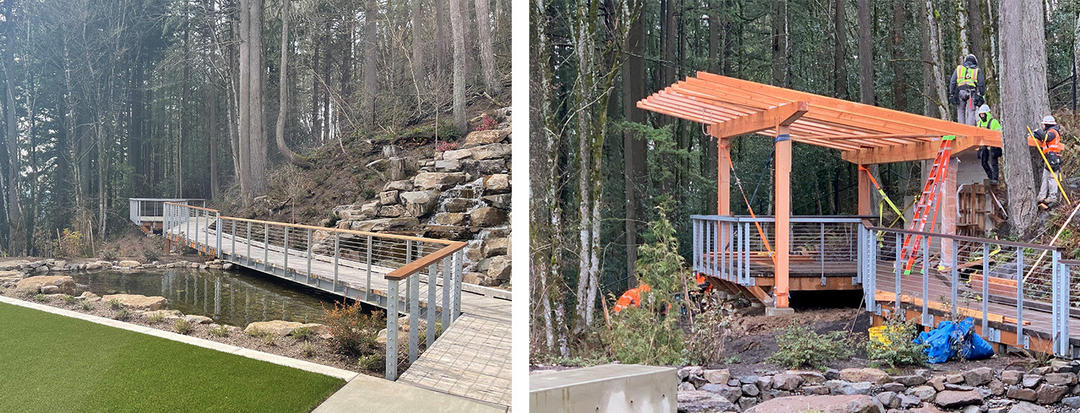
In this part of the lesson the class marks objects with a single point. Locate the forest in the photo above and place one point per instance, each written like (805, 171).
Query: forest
(608, 169)
(105, 100)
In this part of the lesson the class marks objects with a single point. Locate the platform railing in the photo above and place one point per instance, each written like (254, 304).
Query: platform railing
(1015, 291)
(320, 257)
(153, 208)
(732, 248)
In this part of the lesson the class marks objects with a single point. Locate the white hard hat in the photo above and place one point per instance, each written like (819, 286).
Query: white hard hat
(1049, 120)
(984, 109)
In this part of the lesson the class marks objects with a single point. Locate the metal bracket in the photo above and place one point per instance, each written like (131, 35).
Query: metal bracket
(1027, 342)
(928, 320)
(993, 334)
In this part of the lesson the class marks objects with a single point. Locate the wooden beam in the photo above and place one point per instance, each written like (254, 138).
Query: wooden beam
(901, 153)
(783, 214)
(864, 191)
(723, 173)
(783, 115)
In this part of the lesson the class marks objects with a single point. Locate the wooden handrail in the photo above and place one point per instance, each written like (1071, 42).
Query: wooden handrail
(411, 268)
(193, 207)
(337, 230)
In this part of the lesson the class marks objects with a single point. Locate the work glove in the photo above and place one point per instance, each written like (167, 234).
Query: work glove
(1040, 135)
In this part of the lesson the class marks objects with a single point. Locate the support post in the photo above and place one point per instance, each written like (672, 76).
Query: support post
(413, 285)
(864, 191)
(723, 174)
(432, 279)
(948, 213)
(391, 329)
(337, 253)
(783, 214)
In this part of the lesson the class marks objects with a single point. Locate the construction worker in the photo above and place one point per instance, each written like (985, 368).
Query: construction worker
(631, 298)
(989, 155)
(1049, 138)
(966, 90)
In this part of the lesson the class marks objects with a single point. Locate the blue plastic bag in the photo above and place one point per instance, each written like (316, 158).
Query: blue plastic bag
(944, 341)
(938, 340)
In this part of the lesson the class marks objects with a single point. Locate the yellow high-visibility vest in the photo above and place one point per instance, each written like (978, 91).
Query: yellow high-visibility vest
(966, 77)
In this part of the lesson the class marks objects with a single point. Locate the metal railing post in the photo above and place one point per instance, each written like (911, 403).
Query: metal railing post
(1021, 340)
(337, 251)
(233, 249)
(248, 256)
(391, 329)
(898, 269)
(695, 226)
(822, 253)
(447, 282)
(266, 246)
(367, 284)
(414, 315)
(955, 273)
(986, 289)
(1055, 307)
(285, 252)
(926, 321)
(217, 226)
(1065, 277)
(458, 258)
(309, 255)
(432, 278)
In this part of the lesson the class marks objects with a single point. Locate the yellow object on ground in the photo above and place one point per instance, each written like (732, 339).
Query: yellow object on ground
(878, 336)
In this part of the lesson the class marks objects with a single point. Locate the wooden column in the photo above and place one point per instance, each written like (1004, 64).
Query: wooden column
(948, 212)
(864, 191)
(783, 214)
(723, 176)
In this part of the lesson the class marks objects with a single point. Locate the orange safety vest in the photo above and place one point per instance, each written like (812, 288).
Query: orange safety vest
(1052, 144)
(631, 298)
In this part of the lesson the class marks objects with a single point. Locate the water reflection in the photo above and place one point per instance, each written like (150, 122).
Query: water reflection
(227, 297)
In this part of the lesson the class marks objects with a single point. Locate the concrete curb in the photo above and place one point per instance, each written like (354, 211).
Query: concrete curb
(195, 341)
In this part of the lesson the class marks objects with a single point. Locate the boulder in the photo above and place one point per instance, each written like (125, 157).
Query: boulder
(703, 401)
(1073, 402)
(1025, 407)
(458, 204)
(951, 399)
(499, 269)
(127, 264)
(787, 381)
(815, 390)
(444, 165)
(924, 393)
(484, 167)
(1050, 393)
(476, 278)
(438, 180)
(501, 246)
(497, 184)
(1020, 393)
(391, 211)
(809, 376)
(400, 185)
(822, 404)
(457, 154)
(420, 203)
(492, 151)
(487, 217)
(894, 387)
(282, 328)
(164, 314)
(198, 319)
(719, 376)
(888, 399)
(501, 201)
(485, 137)
(450, 218)
(385, 224)
(63, 283)
(731, 393)
(1060, 379)
(862, 387)
(388, 197)
(1031, 380)
(978, 376)
(89, 296)
(868, 374)
(996, 387)
(1011, 377)
(395, 170)
(137, 302)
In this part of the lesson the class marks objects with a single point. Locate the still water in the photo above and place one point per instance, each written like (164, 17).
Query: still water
(235, 298)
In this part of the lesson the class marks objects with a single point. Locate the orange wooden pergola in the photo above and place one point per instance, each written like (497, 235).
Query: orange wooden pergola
(865, 135)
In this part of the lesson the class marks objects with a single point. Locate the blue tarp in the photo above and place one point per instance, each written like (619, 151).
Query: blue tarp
(949, 338)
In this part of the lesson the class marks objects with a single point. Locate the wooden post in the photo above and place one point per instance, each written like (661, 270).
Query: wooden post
(723, 174)
(864, 191)
(783, 214)
(948, 213)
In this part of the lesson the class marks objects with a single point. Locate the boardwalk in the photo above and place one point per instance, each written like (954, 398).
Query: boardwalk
(470, 359)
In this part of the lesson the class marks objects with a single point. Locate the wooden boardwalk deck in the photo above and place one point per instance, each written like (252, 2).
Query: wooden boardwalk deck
(470, 359)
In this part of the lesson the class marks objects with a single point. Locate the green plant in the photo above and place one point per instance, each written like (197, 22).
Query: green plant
(69, 300)
(110, 255)
(371, 362)
(352, 331)
(269, 339)
(41, 297)
(150, 255)
(896, 346)
(303, 333)
(182, 326)
(710, 330)
(115, 304)
(307, 349)
(156, 318)
(799, 346)
(219, 331)
(122, 315)
(255, 332)
(87, 306)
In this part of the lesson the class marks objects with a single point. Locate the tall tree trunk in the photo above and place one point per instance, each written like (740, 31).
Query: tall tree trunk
(16, 238)
(418, 48)
(371, 54)
(962, 28)
(896, 52)
(1023, 102)
(457, 27)
(212, 135)
(937, 91)
(781, 45)
(244, 102)
(283, 94)
(634, 148)
(258, 128)
(840, 56)
(487, 56)
(866, 54)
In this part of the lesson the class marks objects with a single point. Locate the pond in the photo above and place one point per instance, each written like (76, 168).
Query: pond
(235, 298)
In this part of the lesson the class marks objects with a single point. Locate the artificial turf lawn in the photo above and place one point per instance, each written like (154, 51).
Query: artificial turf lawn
(53, 363)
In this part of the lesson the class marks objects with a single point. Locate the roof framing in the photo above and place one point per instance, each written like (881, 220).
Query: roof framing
(865, 134)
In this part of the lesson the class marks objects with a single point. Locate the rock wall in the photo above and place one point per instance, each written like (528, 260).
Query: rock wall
(461, 194)
(980, 389)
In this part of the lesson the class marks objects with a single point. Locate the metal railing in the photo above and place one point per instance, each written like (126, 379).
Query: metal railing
(142, 210)
(735, 248)
(1013, 287)
(367, 266)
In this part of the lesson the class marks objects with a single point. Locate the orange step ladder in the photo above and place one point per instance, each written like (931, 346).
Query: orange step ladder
(927, 207)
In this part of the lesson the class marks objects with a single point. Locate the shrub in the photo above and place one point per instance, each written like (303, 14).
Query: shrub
(711, 328)
(353, 331)
(41, 297)
(182, 326)
(122, 315)
(74, 244)
(150, 255)
(800, 346)
(307, 349)
(444, 146)
(115, 304)
(303, 333)
(69, 300)
(269, 339)
(371, 362)
(156, 318)
(110, 255)
(900, 349)
(87, 306)
(254, 332)
(486, 123)
(219, 331)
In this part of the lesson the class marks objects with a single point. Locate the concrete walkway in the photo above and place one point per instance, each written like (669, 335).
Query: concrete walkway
(372, 394)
